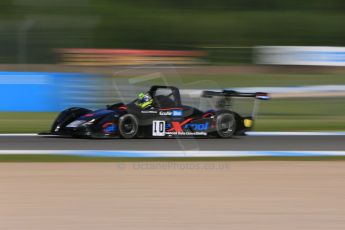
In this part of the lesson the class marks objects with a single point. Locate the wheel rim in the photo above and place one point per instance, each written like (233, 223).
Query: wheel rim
(128, 126)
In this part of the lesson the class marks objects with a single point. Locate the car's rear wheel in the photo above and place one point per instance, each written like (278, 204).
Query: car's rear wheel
(225, 125)
(128, 126)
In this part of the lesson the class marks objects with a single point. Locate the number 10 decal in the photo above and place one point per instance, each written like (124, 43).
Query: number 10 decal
(158, 128)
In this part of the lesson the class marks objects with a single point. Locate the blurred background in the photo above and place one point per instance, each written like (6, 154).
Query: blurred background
(56, 54)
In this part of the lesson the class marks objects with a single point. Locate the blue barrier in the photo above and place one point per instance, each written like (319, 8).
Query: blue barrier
(40, 92)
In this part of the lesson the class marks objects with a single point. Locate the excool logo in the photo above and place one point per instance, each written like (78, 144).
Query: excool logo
(181, 126)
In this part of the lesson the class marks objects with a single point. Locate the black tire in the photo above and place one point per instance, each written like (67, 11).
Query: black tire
(128, 126)
(225, 125)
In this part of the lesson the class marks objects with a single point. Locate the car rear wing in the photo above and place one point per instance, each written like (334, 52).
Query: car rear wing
(233, 93)
(224, 98)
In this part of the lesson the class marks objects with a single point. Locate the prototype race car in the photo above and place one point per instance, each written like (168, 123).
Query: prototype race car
(167, 118)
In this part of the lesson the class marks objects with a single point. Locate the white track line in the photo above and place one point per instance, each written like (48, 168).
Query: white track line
(18, 134)
(340, 133)
(334, 133)
(150, 154)
(330, 133)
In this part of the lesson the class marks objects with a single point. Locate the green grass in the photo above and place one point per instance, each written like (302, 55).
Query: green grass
(25, 122)
(318, 114)
(330, 123)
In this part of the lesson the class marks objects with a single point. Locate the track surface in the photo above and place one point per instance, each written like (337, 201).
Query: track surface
(299, 143)
(150, 196)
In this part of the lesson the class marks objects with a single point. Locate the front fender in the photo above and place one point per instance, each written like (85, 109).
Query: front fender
(67, 116)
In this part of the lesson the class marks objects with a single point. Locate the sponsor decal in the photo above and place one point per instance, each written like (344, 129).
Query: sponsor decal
(187, 133)
(174, 113)
(197, 126)
(165, 113)
(149, 111)
(161, 128)
(176, 126)
(177, 113)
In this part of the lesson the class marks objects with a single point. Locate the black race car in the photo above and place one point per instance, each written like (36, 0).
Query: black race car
(167, 118)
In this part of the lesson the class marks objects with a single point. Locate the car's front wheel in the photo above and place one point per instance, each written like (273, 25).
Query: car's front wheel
(128, 126)
(225, 125)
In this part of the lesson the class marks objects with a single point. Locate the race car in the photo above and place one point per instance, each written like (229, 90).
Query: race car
(167, 117)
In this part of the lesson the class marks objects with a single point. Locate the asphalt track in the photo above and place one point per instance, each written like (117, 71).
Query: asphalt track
(257, 143)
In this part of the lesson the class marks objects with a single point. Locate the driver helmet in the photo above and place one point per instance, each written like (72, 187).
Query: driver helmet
(144, 100)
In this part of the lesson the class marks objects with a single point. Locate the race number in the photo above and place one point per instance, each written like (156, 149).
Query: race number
(158, 128)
